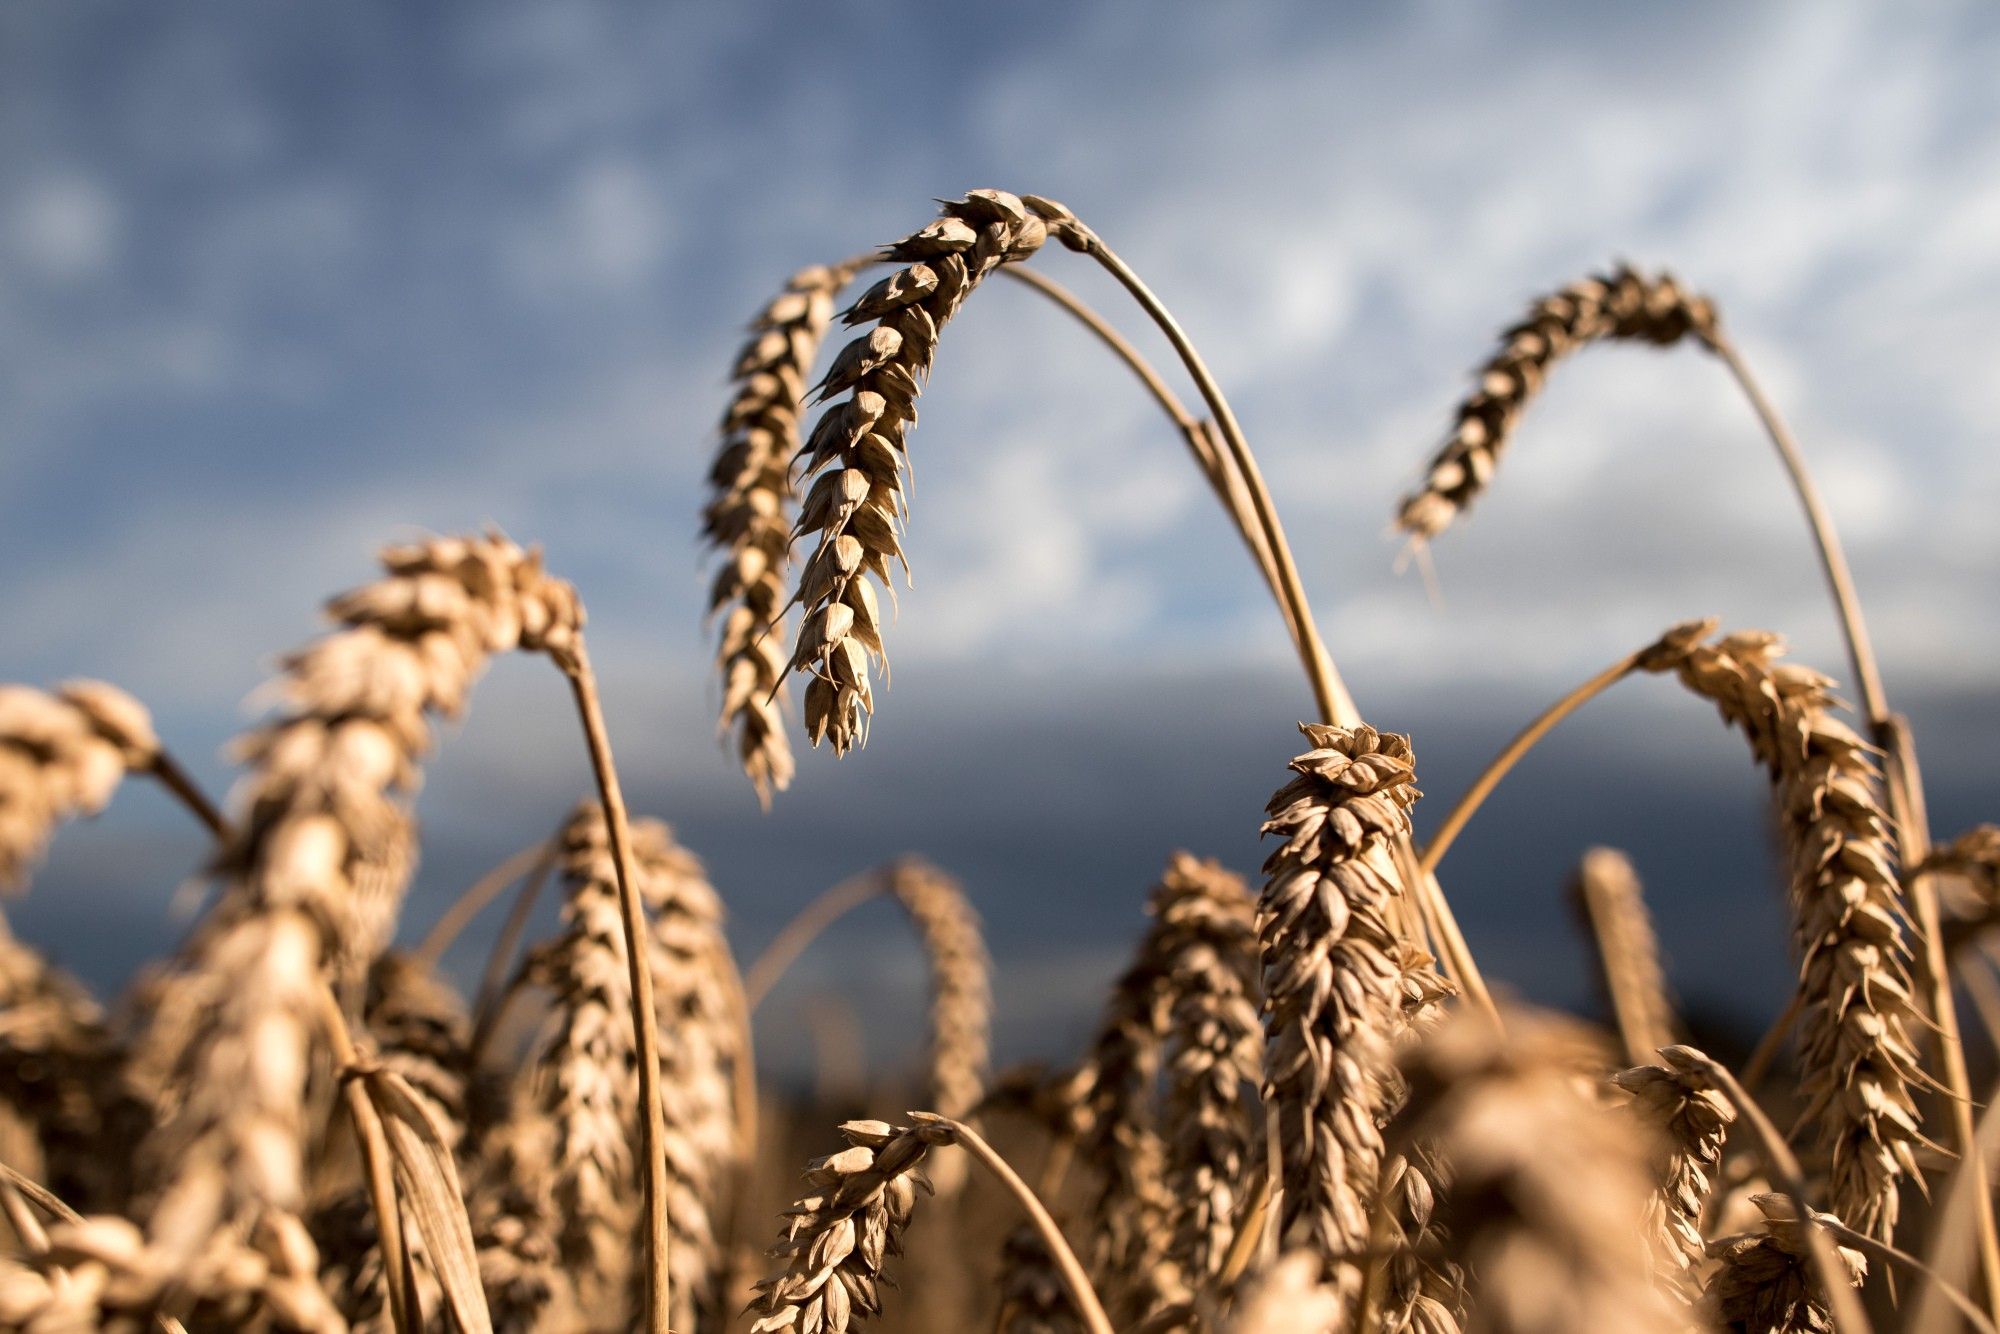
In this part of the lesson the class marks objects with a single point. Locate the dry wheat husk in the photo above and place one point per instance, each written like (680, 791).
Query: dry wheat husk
(1546, 1188)
(858, 449)
(1033, 1299)
(1607, 893)
(313, 875)
(1849, 914)
(1333, 978)
(838, 1236)
(1624, 304)
(1689, 1119)
(1765, 1282)
(511, 1198)
(62, 755)
(747, 520)
(1422, 1292)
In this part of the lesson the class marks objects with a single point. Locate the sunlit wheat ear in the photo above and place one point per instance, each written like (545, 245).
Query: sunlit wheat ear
(858, 450)
(1689, 1119)
(62, 755)
(1858, 1064)
(839, 1235)
(1764, 1282)
(700, 1048)
(1607, 895)
(314, 873)
(1546, 1188)
(1333, 977)
(1624, 304)
(748, 523)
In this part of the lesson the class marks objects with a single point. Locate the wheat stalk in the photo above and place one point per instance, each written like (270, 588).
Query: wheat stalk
(1332, 977)
(316, 869)
(747, 519)
(1545, 1188)
(1689, 1119)
(1607, 894)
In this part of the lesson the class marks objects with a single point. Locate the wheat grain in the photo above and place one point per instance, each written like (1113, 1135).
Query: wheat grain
(62, 755)
(1332, 976)
(1545, 1188)
(315, 872)
(1689, 1119)
(1607, 893)
(747, 519)
(1764, 1282)
(1624, 304)
(859, 447)
(1857, 1061)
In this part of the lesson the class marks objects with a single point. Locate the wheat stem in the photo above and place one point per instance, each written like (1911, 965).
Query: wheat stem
(1949, 1245)
(802, 930)
(477, 896)
(404, 1309)
(1074, 1279)
(170, 775)
(645, 1020)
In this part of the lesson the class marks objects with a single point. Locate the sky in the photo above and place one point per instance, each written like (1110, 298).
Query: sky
(281, 283)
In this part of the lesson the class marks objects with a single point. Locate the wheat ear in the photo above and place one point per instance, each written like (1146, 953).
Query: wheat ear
(1689, 1119)
(1545, 1188)
(1612, 903)
(1764, 1282)
(316, 868)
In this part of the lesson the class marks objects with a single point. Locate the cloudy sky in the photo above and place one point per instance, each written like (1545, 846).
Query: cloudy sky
(278, 283)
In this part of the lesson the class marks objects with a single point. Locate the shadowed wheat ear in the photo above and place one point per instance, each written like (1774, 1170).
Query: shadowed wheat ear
(1764, 1282)
(1544, 1187)
(1689, 1119)
(747, 520)
(1332, 979)
(63, 754)
(315, 871)
(1612, 903)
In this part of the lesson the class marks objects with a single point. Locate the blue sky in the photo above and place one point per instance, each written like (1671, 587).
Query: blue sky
(281, 282)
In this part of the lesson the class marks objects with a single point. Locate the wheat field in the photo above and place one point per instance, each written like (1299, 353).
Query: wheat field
(1304, 1107)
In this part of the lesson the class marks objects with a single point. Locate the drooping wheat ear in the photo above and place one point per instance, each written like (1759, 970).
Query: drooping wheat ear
(62, 755)
(1689, 1118)
(62, 1081)
(1857, 1061)
(859, 447)
(838, 1236)
(1546, 1188)
(101, 1274)
(1206, 919)
(316, 868)
(700, 1049)
(1032, 1297)
(1607, 894)
(1765, 1282)
(747, 520)
(1332, 976)
(961, 1017)
(1624, 304)
(1291, 1297)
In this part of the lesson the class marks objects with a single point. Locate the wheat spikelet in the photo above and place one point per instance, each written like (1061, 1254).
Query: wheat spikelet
(1206, 921)
(1848, 910)
(1606, 891)
(838, 1236)
(1032, 1297)
(62, 755)
(1623, 304)
(1333, 975)
(859, 447)
(748, 522)
(314, 873)
(1765, 1283)
(1689, 1119)
(1545, 1187)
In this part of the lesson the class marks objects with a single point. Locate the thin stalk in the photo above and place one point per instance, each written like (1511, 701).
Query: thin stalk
(1980, 985)
(175, 779)
(1249, 1231)
(1882, 1250)
(802, 930)
(397, 1278)
(1081, 1294)
(474, 900)
(34, 1238)
(1773, 1040)
(1848, 1317)
(495, 974)
(645, 1020)
(1950, 1240)
(1904, 785)
(1523, 742)
(488, 1020)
